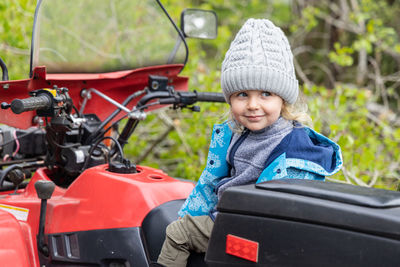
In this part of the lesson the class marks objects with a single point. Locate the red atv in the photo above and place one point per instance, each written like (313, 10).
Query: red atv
(68, 199)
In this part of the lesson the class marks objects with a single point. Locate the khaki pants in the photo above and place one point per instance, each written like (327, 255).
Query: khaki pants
(182, 236)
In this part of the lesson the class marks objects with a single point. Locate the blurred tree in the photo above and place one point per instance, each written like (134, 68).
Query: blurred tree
(16, 18)
(347, 59)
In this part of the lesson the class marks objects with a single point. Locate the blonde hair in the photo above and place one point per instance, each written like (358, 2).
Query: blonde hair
(296, 112)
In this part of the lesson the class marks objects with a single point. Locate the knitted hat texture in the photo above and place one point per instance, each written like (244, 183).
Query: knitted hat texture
(259, 58)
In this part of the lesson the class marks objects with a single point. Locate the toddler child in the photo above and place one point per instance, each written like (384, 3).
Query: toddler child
(264, 139)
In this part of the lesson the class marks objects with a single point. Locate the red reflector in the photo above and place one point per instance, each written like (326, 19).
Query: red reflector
(242, 248)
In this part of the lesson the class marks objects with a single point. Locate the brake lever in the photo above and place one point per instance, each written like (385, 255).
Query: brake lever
(181, 101)
(184, 106)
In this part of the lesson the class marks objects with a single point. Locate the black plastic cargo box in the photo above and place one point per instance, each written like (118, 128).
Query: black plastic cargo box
(306, 223)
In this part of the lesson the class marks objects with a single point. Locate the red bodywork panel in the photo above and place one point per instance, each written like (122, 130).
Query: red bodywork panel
(100, 199)
(97, 199)
(13, 246)
(117, 85)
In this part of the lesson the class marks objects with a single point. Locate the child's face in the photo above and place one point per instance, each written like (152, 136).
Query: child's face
(254, 109)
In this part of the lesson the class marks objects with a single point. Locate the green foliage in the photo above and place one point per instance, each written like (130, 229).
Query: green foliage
(348, 56)
(342, 55)
(308, 20)
(367, 147)
(16, 19)
(111, 43)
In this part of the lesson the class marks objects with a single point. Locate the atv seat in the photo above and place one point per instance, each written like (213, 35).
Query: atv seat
(154, 226)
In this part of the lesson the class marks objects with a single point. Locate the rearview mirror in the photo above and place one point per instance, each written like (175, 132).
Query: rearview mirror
(197, 23)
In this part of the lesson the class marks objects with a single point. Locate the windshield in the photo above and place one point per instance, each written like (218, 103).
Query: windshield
(94, 36)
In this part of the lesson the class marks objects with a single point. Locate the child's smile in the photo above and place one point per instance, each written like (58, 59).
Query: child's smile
(255, 109)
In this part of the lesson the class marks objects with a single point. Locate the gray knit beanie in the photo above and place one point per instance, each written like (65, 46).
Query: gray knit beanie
(260, 58)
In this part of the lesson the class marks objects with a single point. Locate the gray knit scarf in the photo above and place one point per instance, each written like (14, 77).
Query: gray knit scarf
(251, 155)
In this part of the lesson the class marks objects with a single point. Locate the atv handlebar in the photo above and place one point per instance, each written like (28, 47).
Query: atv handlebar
(210, 97)
(189, 98)
(32, 103)
(65, 130)
(178, 98)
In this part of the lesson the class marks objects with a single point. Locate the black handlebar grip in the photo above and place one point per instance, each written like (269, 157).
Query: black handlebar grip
(210, 97)
(32, 103)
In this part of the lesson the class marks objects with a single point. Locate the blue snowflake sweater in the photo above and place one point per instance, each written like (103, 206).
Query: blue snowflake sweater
(302, 154)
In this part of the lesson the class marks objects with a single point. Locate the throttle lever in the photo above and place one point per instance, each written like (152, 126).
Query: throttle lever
(192, 108)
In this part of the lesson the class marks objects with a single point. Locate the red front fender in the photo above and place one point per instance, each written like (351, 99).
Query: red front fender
(13, 251)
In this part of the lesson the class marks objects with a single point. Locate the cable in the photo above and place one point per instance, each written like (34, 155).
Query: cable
(5, 172)
(112, 125)
(77, 111)
(149, 105)
(61, 146)
(21, 136)
(51, 136)
(121, 153)
(124, 117)
(16, 142)
(118, 110)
